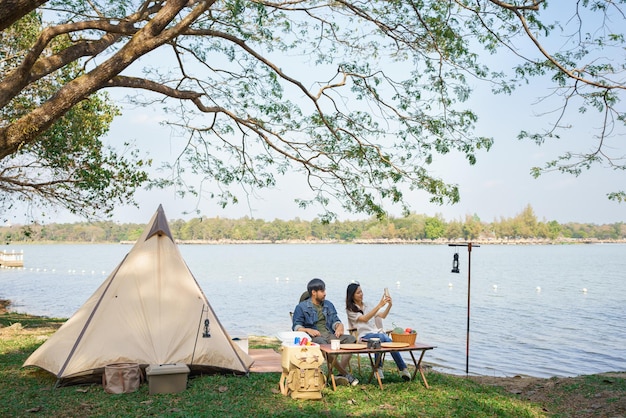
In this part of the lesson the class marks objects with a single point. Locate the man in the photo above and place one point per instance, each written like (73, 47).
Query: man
(318, 317)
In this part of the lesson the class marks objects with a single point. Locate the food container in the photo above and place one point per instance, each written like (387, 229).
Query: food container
(403, 338)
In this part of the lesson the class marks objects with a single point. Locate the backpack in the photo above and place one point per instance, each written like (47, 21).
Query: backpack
(302, 377)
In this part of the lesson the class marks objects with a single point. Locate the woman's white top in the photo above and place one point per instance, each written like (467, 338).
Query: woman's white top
(363, 328)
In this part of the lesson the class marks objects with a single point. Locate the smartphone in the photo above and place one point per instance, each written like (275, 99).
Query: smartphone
(386, 291)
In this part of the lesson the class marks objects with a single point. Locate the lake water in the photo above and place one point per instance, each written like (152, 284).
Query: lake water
(535, 310)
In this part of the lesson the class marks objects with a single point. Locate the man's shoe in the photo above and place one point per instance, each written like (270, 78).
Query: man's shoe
(352, 380)
(381, 374)
(342, 380)
(406, 375)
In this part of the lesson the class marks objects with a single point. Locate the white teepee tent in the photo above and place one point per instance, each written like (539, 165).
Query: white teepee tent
(150, 310)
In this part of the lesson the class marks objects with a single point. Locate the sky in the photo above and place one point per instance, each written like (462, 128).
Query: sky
(498, 186)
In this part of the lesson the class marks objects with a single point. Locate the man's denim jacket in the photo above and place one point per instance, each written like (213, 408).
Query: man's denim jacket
(305, 315)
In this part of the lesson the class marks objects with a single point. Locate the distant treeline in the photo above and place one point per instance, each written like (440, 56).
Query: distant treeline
(413, 227)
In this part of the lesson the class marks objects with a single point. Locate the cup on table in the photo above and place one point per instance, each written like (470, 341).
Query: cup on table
(335, 344)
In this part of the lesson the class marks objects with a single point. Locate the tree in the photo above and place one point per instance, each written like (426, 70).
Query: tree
(435, 227)
(67, 165)
(525, 224)
(359, 97)
(554, 230)
(472, 228)
(410, 227)
(455, 229)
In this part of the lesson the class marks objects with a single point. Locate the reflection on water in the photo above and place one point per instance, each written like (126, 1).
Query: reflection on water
(529, 311)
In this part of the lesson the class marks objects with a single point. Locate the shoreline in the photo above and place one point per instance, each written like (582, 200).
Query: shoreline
(381, 241)
(377, 241)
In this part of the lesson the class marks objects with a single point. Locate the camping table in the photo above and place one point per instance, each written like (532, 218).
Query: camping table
(331, 358)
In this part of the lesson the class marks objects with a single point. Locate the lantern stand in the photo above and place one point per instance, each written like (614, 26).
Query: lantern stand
(455, 269)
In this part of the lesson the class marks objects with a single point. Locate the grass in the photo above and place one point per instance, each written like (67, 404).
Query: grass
(30, 392)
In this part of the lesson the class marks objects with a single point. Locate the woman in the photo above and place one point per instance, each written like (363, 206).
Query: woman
(364, 320)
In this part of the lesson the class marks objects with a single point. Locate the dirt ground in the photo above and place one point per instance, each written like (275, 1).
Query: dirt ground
(601, 400)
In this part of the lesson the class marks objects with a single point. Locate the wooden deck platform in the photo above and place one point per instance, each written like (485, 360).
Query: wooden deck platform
(266, 360)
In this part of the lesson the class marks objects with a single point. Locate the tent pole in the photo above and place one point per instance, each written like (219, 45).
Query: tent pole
(193, 354)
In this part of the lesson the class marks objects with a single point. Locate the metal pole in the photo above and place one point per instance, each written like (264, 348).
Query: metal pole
(469, 275)
(469, 279)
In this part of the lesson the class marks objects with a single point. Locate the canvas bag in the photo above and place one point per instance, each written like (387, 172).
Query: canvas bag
(302, 377)
(121, 378)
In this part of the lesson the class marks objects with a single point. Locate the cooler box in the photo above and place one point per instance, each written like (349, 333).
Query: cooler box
(167, 378)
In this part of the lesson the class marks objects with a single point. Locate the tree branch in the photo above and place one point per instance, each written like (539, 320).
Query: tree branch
(13, 10)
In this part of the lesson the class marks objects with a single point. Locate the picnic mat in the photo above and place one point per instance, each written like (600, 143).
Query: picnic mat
(266, 360)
